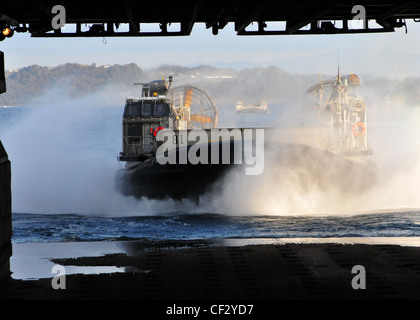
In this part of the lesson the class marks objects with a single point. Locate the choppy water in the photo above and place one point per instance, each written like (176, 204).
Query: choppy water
(72, 227)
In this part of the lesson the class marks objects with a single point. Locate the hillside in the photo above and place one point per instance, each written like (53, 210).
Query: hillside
(26, 84)
(225, 85)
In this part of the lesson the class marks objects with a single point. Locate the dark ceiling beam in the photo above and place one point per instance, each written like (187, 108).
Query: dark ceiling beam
(316, 31)
(226, 17)
(396, 9)
(222, 18)
(44, 8)
(102, 33)
(215, 21)
(317, 15)
(188, 25)
(241, 25)
(5, 18)
(38, 28)
(387, 20)
(134, 25)
(43, 26)
(37, 14)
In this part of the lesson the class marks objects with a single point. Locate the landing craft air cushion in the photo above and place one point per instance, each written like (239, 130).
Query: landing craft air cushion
(333, 153)
(180, 109)
(342, 131)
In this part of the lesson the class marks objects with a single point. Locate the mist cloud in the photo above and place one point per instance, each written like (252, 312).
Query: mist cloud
(64, 159)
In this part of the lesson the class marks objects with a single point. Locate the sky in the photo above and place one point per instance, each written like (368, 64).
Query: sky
(394, 54)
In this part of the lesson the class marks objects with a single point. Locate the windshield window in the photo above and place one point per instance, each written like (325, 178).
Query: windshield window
(147, 109)
(135, 130)
(161, 109)
(132, 109)
(136, 109)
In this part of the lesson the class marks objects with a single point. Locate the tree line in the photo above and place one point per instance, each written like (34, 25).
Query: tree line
(225, 85)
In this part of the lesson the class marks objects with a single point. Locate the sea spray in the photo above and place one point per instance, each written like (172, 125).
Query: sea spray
(64, 158)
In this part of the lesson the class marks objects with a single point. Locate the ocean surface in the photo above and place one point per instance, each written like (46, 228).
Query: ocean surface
(208, 226)
(63, 165)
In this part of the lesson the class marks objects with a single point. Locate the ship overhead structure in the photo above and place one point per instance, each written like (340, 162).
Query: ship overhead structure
(341, 110)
